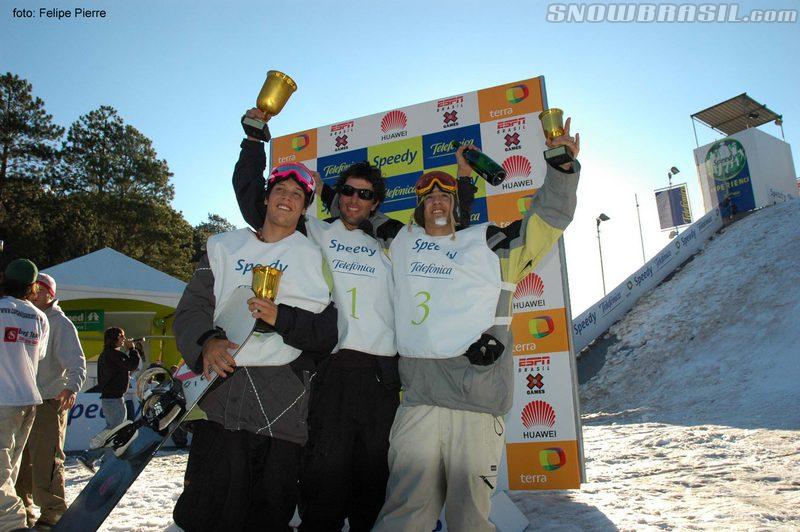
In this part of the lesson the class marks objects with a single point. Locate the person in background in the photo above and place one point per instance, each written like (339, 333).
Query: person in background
(25, 332)
(114, 368)
(60, 377)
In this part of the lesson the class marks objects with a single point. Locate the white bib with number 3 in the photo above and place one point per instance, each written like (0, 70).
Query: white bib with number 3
(446, 291)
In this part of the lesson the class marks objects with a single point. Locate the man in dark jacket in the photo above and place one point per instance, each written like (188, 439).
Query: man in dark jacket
(114, 368)
(243, 465)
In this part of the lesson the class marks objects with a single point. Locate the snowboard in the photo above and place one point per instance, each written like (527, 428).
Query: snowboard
(147, 434)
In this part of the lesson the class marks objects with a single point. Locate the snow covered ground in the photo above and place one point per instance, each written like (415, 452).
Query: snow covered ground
(693, 422)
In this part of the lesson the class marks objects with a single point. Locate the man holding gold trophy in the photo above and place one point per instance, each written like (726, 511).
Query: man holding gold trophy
(452, 304)
(244, 462)
(356, 394)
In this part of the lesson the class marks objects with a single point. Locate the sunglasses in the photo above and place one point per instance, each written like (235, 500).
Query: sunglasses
(363, 193)
(442, 180)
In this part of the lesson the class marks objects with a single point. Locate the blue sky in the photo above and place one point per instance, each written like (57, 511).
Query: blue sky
(184, 72)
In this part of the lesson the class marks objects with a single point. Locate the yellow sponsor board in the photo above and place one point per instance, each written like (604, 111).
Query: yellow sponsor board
(397, 158)
(551, 465)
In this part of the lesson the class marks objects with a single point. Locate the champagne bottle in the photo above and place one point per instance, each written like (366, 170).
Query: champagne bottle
(483, 165)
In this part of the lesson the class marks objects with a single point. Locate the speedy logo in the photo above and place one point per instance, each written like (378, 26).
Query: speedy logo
(541, 326)
(393, 124)
(517, 93)
(642, 277)
(247, 267)
(552, 458)
(299, 142)
(11, 334)
(579, 326)
(397, 158)
(339, 247)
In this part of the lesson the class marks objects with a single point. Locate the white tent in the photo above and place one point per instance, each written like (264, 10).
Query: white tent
(107, 273)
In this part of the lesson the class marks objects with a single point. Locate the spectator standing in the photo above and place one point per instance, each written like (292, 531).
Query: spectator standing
(25, 330)
(61, 374)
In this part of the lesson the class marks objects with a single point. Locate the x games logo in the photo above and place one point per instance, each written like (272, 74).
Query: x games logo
(510, 130)
(449, 108)
(339, 133)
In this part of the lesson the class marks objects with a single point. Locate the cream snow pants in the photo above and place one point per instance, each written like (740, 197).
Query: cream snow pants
(438, 455)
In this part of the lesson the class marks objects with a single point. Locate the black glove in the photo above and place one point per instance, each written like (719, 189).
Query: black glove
(485, 351)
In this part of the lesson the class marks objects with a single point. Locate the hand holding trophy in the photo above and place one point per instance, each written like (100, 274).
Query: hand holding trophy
(266, 280)
(563, 149)
(274, 94)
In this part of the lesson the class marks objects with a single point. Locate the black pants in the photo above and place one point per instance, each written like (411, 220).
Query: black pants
(237, 480)
(345, 466)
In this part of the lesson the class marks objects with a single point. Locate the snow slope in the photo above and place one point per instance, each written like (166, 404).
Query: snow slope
(693, 421)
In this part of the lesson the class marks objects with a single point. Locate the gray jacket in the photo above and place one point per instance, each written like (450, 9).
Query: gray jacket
(455, 382)
(65, 365)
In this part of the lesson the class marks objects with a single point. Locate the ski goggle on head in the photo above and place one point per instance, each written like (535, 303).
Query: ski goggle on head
(297, 171)
(443, 180)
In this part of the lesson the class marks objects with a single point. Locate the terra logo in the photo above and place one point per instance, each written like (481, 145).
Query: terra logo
(517, 93)
(541, 326)
(552, 458)
(11, 334)
(299, 142)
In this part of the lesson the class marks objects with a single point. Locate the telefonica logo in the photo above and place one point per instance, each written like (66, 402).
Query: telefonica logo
(299, 142)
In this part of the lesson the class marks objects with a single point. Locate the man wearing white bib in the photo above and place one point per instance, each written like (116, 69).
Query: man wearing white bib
(452, 320)
(244, 462)
(357, 393)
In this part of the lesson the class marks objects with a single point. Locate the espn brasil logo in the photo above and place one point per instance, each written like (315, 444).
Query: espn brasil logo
(340, 134)
(449, 108)
(510, 130)
(393, 125)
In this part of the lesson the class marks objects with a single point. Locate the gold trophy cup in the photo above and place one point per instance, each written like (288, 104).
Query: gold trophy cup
(553, 125)
(274, 94)
(266, 280)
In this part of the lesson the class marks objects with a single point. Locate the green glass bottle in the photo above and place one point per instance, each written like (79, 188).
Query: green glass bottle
(483, 165)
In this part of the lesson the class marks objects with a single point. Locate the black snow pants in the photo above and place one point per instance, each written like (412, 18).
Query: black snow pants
(238, 480)
(345, 468)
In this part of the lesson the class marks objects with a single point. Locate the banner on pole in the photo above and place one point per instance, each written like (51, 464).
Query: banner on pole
(673, 206)
(543, 432)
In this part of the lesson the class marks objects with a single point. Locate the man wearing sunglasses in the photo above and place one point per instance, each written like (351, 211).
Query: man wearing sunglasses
(452, 320)
(244, 462)
(355, 400)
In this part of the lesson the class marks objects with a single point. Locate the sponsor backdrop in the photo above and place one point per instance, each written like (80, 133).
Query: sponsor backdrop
(600, 316)
(673, 206)
(543, 427)
(750, 169)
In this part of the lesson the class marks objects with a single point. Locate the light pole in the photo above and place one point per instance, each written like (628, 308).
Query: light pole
(601, 218)
(641, 237)
(672, 172)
